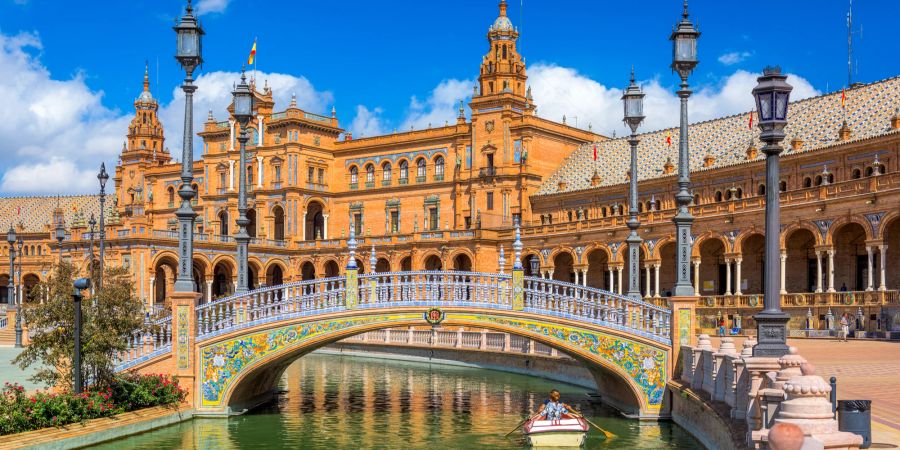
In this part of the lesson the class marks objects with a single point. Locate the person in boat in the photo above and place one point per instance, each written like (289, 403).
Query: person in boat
(553, 409)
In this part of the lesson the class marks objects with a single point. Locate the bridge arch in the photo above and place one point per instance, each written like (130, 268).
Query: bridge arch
(240, 370)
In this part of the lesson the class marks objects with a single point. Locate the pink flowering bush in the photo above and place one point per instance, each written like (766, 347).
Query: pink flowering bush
(20, 412)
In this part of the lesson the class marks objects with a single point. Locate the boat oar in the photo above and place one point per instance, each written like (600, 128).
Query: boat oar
(520, 424)
(605, 433)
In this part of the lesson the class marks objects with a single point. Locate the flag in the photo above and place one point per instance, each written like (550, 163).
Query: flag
(843, 98)
(252, 54)
(595, 152)
(669, 138)
(750, 122)
(19, 208)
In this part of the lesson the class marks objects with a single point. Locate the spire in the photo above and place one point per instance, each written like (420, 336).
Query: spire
(209, 117)
(503, 7)
(684, 14)
(333, 112)
(293, 100)
(146, 76)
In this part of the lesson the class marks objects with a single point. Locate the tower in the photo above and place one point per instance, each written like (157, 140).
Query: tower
(502, 78)
(145, 141)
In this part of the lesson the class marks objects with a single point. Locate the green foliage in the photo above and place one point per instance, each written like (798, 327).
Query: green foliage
(128, 392)
(109, 316)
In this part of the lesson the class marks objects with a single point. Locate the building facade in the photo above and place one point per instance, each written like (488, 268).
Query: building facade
(447, 197)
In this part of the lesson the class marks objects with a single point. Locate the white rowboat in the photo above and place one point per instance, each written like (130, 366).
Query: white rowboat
(568, 431)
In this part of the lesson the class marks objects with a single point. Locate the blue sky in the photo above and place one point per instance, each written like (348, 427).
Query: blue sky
(72, 72)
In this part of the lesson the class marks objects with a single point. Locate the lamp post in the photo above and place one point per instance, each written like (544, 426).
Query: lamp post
(60, 234)
(91, 224)
(80, 285)
(772, 94)
(189, 55)
(11, 287)
(684, 59)
(633, 101)
(102, 177)
(21, 277)
(243, 112)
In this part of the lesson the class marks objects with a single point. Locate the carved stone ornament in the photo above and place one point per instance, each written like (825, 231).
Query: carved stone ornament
(489, 126)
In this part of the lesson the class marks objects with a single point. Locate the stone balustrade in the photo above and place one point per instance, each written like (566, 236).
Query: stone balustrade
(764, 391)
(460, 338)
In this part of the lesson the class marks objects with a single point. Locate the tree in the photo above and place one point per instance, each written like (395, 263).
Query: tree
(109, 317)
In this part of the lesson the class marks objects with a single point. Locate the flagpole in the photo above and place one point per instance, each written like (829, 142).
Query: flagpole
(254, 61)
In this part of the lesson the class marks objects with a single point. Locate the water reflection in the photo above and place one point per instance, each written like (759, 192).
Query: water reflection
(337, 402)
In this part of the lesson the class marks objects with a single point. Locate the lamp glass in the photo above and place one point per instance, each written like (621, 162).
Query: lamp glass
(781, 105)
(764, 106)
(685, 48)
(634, 106)
(188, 43)
(242, 105)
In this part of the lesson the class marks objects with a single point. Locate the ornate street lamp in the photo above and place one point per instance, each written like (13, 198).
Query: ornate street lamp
(91, 224)
(189, 55)
(60, 232)
(11, 287)
(633, 100)
(243, 112)
(102, 177)
(772, 94)
(79, 285)
(684, 59)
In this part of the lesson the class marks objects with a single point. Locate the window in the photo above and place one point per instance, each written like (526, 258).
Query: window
(357, 223)
(696, 199)
(439, 168)
(517, 151)
(807, 182)
(354, 176)
(370, 173)
(404, 171)
(782, 186)
(386, 172)
(277, 174)
(171, 196)
(321, 176)
(761, 189)
(395, 221)
(490, 201)
(718, 196)
(490, 160)
(310, 171)
(249, 175)
(856, 174)
(433, 218)
(420, 170)
(222, 181)
(468, 157)
(468, 222)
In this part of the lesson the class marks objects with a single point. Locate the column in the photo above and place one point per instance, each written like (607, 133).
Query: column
(550, 274)
(619, 280)
(737, 276)
(611, 286)
(303, 228)
(209, 282)
(261, 130)
(576, 275)
(727, 277)
(696, 278)
(259, 170)
(656, 280)
(831, 270)
(871, 284)
(647, 292)
(882, 286)
(231, 175)
(818, 271)
(584, 277)
(324, 226)
(783, 270)
(152, 294)
(231, 135)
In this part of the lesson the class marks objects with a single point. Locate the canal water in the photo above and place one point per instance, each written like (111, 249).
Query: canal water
(343, 402)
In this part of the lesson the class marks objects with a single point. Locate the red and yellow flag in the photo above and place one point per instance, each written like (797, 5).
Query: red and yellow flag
(595, 152)
(843, 98)
(669, 138)
(750, 121)
(252, 54)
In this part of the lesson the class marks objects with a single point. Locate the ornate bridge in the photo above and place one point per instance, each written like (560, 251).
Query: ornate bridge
(232, 352)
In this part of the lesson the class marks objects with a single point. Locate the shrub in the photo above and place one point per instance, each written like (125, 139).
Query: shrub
(128, 392)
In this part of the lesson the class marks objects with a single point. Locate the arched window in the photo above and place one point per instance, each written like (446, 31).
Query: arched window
(171, 196)
(718, 196)
(818, 180)
(739, 193)
(370, 173)
(761, 189)
(420, 169)
(729, 194)
(658, 205)
(640, 207)
(404, 170)
(223, 223)
(354, 175)
(807, 182)
(782, 186)
(386, 172)
(856, 174)
(439, 168)
(696, 199)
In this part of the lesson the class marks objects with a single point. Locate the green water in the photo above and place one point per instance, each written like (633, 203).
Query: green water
(343, 402)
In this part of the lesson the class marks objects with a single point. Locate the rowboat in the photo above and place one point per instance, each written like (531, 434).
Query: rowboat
(568, 431)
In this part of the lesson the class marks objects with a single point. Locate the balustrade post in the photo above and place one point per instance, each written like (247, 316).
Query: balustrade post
(518, 288)
(681, 327)
(483, 345)
(459, 336)
(184, 330)
(506, 342)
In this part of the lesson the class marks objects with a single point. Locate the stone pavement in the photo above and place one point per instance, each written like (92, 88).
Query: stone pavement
(11, 373)
(865, 370)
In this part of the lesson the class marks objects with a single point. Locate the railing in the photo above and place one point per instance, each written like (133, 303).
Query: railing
(3, 322)
(804, 299)
(470, 340)
(487, 172)
(153, 340)
(587, 304)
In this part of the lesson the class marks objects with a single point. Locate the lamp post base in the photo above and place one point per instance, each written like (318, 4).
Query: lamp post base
(771, 330)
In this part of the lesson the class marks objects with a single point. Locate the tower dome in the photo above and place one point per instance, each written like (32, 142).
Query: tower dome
(146, 96)
(502, 23)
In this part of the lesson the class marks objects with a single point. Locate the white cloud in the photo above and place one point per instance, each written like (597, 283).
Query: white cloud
(214, 93)
(440, 107)
(734, 57)
(562, 91)
(367, 122)
(211, 6)
(57, 175)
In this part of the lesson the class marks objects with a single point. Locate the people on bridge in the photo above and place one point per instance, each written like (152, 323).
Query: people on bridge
(553, 409)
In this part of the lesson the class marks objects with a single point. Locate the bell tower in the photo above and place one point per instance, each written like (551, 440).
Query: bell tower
(502, 78)
(145, 140)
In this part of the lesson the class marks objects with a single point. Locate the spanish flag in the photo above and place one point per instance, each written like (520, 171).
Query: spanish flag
(252, 54)
(669, 138)
(843, 98)
(750, 122)
(595, 152)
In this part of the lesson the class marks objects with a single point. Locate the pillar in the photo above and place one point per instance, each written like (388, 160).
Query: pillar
(619, 280)
(576, 275)
(231, 136)
(727, 277)
(183, 336)
(303, 228)
(209, 282)
(152, 294)
(612, 283)
(871, 283)
(231, 175)
(818, 271)
(259, 168)
(261, 133)
(682, 327)
(584, 277)
(783, 269)
(737, 276)
(656, 280)
(696, 277)
(882, 285)
(324, 226)
(647, 292)
(831, 270)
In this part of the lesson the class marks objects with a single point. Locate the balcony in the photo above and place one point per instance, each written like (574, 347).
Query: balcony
(403, 181)
(439, 177)
(420, 179)
(385, 182)
(370, 184)
(221, 191)
(276, 185)
(354, 186)
(487, 172)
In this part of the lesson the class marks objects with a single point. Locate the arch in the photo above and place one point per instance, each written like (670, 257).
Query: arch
(850, 256)
(370, 173)
(630, 371)
(200, 268)
(752, 247)
(354, 175)
(712, 265)
(278, 223)
(790, 229)
(890, 233)
(564, 266)
(462, 262)
(29, 281)
(844, 221)
(800, 265)
(223, 222)
(421, 167)
(382, 265)
(665, 251)
(275, 273)
(527, 262)
(315, 220)
(406, 264)
(468, 259)
(307, 271)
(439, 167)
(4, 292)
(403, 164)
(695, 251)
(386, 171)
(598, 259)
(223, 277)
(432, 262)
(556, 251)
(330, 268)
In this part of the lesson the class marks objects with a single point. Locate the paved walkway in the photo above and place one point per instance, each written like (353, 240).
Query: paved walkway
(11, 373)
(865, 370)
